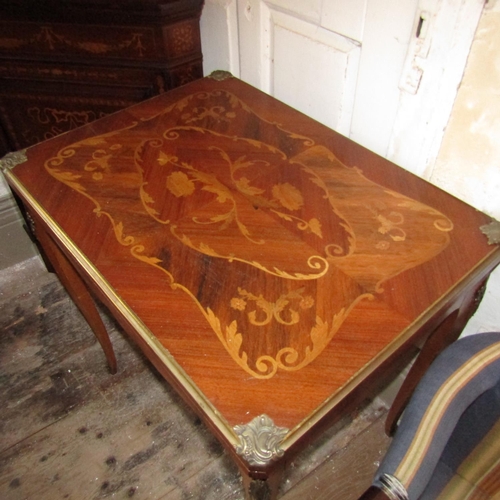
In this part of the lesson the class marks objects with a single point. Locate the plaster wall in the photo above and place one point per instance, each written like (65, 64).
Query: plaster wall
(468, 163)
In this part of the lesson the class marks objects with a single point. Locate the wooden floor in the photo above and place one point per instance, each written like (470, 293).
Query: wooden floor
(70, 430)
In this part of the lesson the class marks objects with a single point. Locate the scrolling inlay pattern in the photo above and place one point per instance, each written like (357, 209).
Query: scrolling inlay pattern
(52, 39)
(272, 205)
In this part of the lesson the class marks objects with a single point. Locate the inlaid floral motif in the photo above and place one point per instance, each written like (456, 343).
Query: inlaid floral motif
(257, 230)
(53, 38)
(179, 184)
(278, 310)
(289, 196)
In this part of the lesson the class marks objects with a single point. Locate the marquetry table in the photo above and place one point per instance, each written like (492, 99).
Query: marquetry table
(274, 272)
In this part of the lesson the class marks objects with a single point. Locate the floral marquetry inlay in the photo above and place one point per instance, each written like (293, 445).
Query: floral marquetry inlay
(202, 187)
(272, 310)
(57, 38)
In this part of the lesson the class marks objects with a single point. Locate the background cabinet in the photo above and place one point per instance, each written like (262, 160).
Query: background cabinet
(66, 63)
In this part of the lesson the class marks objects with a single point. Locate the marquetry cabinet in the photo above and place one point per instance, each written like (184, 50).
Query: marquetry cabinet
(65, 63)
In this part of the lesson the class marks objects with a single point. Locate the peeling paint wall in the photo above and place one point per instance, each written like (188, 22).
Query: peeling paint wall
(468, 164)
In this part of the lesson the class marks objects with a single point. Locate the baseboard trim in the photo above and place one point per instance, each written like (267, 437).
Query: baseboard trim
(15, 245)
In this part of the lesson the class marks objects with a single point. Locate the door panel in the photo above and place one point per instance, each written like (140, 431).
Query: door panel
(313, 56)
(387, 33)
(299, 80)
(345, 17)
(342, 62)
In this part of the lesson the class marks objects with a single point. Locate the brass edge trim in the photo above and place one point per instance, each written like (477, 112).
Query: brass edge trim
(492, 232)
(175, 369)
(10, 160)
(322, 410)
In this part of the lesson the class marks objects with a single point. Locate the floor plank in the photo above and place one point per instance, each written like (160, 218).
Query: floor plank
(346, 474)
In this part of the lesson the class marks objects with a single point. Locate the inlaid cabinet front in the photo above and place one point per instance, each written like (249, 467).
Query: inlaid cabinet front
(65, 64)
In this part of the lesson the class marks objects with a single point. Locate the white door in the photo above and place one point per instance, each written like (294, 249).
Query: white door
(383, 72)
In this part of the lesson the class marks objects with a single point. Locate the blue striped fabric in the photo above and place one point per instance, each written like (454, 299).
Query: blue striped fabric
(455, 406)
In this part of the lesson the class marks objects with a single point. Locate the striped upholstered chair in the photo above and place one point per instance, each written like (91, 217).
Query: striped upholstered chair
(447, 445)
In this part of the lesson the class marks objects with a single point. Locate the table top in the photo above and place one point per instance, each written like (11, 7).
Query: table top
(268, 262)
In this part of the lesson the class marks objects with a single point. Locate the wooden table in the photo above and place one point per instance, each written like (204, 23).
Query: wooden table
(275, 272)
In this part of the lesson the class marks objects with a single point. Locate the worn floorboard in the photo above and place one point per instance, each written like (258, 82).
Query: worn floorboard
(344, 474)
(69, 429)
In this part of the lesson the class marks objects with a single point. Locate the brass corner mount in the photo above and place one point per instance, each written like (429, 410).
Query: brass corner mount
(492, 231)
(10, 160)
(220, 75)
(260, 441)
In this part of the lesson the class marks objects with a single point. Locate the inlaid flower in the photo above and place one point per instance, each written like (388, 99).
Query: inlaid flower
(382, 245)
(165, 158)
(179, 184)
(289, 196)
(238, 304)
(243, 185)
(306, 302)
